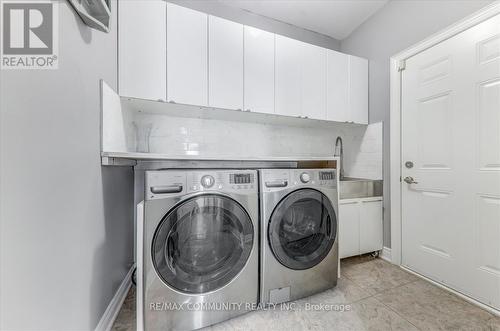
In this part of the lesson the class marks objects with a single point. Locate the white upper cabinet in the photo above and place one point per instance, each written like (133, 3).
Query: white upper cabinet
(187, 53)
(337, 95)
(142, 49)
(259, 70)
(288, 76)
(313, 82)
(225, 63)
(358, 89)
(172, 53)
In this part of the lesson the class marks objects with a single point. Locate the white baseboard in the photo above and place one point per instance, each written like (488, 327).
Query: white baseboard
(449, 289)
(109, 316)
(386, 254)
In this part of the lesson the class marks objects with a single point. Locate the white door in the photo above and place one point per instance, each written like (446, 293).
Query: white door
(358, 90)
(225, 63)
(451, 134)
(187, 53)
(259, 70)
(337, 96)
(142, 49)
(288, 76)
(313, 82)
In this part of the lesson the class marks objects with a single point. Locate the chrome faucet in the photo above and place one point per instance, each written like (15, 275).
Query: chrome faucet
(339, 151)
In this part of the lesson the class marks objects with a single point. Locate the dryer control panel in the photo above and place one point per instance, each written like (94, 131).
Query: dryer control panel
(277, 179)
(162, 183)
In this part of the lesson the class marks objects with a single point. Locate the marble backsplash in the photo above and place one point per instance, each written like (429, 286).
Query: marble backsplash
(134, 125)
(162, 134)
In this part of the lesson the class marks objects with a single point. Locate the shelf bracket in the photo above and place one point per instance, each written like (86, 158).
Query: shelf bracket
(116, 161)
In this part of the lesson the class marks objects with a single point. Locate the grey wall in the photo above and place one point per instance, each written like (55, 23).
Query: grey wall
(246, 17)
(398, 25)
(66, 223)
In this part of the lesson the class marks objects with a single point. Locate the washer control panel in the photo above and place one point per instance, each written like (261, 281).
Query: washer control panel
(228, 181)
(163, 183)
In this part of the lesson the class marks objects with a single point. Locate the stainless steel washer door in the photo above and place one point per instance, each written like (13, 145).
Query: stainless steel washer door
(302, 229)
(202, 243)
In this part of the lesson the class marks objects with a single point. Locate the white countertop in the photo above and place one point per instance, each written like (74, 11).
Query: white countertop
(167, 157)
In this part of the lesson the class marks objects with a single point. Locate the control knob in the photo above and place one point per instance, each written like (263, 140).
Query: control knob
(207, 181)
(305, 177)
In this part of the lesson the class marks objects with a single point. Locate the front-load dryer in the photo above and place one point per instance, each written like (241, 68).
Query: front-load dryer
(197, 248)
(299, 245)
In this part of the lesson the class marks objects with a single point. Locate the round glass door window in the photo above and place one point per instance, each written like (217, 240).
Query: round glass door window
(302, 229)
(202, 243)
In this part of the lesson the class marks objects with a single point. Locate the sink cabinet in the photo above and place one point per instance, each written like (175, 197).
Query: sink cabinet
(360, 226)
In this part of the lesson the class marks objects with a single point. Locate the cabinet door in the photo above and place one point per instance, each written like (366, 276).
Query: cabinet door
(370, 226)
(187, 68)
(313, 81)
(259, 70)
(337, 97)
(142, 49)
(348, 229)
(358, 89)
(288, 76)
(225, 63)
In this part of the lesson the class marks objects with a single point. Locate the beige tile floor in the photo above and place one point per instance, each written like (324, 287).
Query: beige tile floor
(375, 295)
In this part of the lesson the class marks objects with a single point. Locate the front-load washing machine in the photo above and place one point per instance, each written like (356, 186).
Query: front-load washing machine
(197, 248)
(299, 245)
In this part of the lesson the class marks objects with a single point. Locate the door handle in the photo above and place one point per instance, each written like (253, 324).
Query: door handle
(410, 180)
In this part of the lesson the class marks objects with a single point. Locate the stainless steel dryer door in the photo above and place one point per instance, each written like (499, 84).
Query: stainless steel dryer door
(302, 229)
(202, 243)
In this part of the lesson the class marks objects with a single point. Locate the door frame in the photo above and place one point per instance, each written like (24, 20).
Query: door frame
(397, 63)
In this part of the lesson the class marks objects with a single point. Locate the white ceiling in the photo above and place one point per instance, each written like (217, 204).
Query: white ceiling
(334, 18)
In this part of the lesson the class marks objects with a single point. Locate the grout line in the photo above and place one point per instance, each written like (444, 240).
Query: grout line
(397, 313)
(374, 296)
(381, 291)
(395, 287)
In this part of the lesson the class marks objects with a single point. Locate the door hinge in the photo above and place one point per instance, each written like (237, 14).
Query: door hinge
(402, 65)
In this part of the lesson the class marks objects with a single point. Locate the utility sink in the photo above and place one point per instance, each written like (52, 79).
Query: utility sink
(353, 188)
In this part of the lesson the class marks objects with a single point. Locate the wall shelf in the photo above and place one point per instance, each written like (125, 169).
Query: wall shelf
(131, 159)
